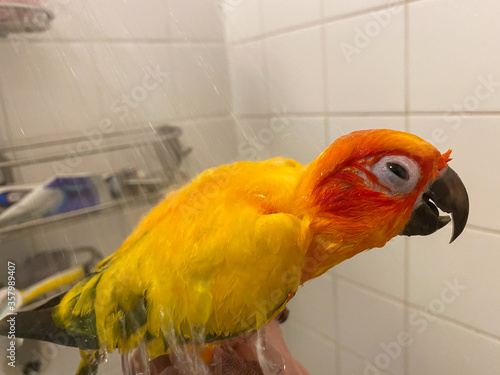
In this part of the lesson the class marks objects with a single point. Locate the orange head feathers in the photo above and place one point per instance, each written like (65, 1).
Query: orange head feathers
(365, 187)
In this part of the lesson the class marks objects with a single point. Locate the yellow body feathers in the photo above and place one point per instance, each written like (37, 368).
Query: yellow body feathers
(193, 260)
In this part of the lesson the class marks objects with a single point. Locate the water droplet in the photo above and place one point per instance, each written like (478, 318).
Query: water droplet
(103, 356)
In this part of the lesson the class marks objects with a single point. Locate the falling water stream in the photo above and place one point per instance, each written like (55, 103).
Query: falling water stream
(113, 80)
(186, 359)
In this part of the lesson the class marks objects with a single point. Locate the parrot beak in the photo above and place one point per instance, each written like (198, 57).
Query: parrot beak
(449, 194)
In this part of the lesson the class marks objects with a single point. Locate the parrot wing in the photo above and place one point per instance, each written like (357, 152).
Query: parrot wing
(229, 269)
(36, 323)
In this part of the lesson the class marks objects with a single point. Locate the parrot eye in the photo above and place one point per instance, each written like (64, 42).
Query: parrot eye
(398, 170)
(396, 173)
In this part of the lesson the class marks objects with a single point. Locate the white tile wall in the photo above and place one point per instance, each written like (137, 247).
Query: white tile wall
(353, 364)
(369, 324)
(440, 347)
(295, 75)
(301, 139)
(338, 8)
(74, 81)
(379, 269)
(142, 75)
(4, 131)
(92, 65)
(254, 139)
(341, 125)
(195, 20)
(365, 62)
(315, 353)
(313, 306)
(282, 14)
(114, 19)
(130, 19)
(248, 82)
(408, 68)
(201, 76)
(46, 94)
(435, 265)
(242, 19)
(451, 56)
(413, 67)
(463, 134)
(213, 142)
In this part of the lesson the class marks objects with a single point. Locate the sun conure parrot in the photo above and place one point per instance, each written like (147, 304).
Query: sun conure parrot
(227, 251)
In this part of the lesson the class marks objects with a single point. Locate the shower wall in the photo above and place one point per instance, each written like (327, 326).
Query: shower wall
(114, 65)
(120, 64)
(251, 79)
(106, 66)
(325, 68)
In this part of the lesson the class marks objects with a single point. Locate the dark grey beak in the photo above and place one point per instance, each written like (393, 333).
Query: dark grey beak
(449, 194)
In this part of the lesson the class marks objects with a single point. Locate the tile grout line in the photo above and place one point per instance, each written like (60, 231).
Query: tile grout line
(201, 117)
(414, 1)
(395, 300)
(167, 20)
(311, 24)
(406, 308)
(265, 66)
(239, 117)
(311, 330)
(368, 289)
(336, 324)
(477, 228)
(5, 117)
(406, 254)
(406, 48)
(326, 132)
(365, 114)
(360, 357)
(457, 323)
(168, 41)
(230, 70)
(323, 21)
(324, 60)
(173, 58)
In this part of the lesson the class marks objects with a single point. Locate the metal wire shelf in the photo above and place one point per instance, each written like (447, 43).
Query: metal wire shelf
(163, 139)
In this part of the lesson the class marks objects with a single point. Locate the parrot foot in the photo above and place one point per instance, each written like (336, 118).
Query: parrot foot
(89, 363)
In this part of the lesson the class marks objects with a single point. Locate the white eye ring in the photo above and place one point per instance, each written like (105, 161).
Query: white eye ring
(399, 174)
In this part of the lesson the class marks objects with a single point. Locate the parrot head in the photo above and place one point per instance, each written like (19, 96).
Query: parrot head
(371, 185)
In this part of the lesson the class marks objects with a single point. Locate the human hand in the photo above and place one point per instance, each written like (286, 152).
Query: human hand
(239, 356)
